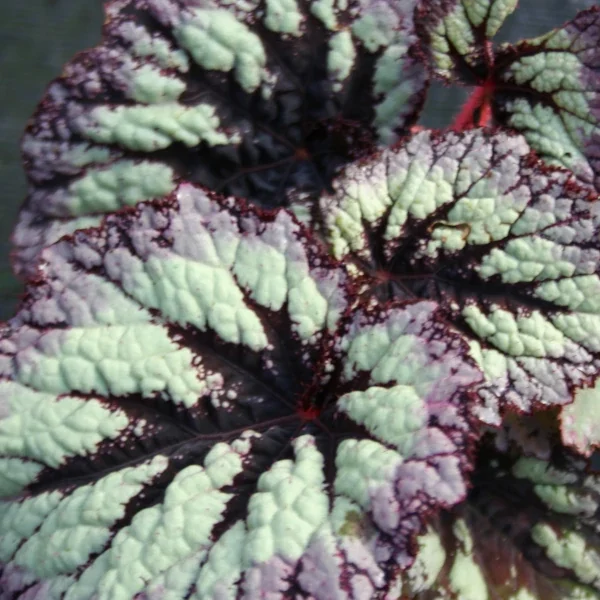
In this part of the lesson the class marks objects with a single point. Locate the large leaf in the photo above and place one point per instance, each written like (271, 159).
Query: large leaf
(194, 406)
(264, 100)
(508, 247)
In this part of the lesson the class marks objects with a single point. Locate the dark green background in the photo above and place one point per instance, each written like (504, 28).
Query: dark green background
(38, 36)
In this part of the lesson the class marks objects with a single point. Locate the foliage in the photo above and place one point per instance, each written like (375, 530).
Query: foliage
(279, 341)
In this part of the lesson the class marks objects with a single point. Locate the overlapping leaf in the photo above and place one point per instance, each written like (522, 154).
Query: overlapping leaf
(549, 89)
(264, 100)
(529, 531)
(457, 34)
(194, 406)
(508, 247)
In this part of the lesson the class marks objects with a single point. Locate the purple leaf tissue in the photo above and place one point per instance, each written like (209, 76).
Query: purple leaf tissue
(279, 341)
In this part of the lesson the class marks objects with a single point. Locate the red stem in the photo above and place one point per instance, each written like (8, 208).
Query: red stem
(479, 100)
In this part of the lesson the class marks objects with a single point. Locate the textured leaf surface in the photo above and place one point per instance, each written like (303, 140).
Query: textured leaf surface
(549, 89)
(456, 34)
(507, 246)
(194, 406)
(262, 99)
(528, 531)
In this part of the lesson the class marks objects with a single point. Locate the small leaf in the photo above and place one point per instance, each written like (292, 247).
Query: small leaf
(508, 247)
(456, 36)
(528, 531)
(264, 101)
(548, 88)
(203, 409)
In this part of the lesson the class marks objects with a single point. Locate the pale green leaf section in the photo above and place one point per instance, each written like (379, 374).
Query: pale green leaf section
(325, 11)
(492, 12)
(175, 581)
(376, 27)
(361, 466)
(493, 363)
(48, 429)
(529, 259)
(274, 267)
(283, 16)
(570, 550)
(553, 136)
(123, 183)
(290, 504)
(151, 128)
(567, 501)
(453, 33)
(397, 350)
(223, 566)
(380, 29)
(559, 490)
(361, 196)
(218, 41)
(187, 291)
(16, 474)
(579, 294)
(531, 335)
(580, 426)
(549, 72)
(80, 524)
(112, 360)
(393, 415)
(428, 563)
(19, 520)
(193, 282)
(164, 535)
(386, 356)
(148, 85)
(340, 58)
(540, 472)
(146, 45)
(466, 578)
(397, 88)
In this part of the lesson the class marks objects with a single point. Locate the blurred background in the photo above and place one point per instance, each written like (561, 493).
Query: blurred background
(38, 36)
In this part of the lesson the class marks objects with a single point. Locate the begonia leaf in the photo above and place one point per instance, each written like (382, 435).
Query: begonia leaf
(261, 100)
(195, 406)
(456, 36)
(508, 247)
(527, 531)
(548, 88)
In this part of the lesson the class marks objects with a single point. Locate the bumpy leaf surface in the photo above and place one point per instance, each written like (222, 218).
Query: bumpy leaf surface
(528, 531)
(549, 89)
(194, 406)
(508, 247)
(456, 34)
(262, 99)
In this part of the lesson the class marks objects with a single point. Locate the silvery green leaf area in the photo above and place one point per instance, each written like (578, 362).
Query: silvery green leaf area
(280, 340)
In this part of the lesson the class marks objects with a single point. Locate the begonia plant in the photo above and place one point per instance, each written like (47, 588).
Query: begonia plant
(279, 340)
